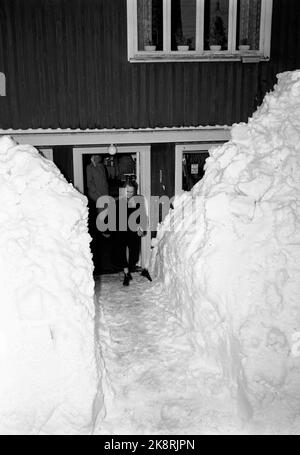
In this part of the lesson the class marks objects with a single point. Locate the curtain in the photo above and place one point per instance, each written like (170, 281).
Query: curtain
(144, 23)
(216, 23)
(250, 22)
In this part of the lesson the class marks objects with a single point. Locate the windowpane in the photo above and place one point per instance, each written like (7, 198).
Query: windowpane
(150, 23)
(216, 14)
(192, 168)
(248, 23)
(183, 24)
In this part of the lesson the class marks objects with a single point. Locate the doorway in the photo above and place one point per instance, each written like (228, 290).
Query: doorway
(130, 161)
(117, 169)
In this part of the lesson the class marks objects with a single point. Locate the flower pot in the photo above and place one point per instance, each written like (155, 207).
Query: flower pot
(215, 47)
(183, 48)
(150, 48)
(244, 47)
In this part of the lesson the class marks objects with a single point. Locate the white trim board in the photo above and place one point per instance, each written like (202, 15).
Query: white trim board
(143, 136)
(144, 178)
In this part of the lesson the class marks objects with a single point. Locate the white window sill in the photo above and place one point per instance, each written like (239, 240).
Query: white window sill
(194, 56)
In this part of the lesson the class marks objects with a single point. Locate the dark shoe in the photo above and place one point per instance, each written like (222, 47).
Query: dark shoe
(126, 279)
(146, 274)
(129, 276)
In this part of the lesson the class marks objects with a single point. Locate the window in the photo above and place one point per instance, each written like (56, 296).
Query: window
(189, 164)
(192, 168)
(195, 30)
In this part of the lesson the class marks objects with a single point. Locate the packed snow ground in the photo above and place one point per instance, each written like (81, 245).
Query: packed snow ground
(152, 387)
(152, 380)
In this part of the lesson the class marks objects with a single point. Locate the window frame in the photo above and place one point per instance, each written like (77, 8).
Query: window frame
(167, 55)
(180, 149)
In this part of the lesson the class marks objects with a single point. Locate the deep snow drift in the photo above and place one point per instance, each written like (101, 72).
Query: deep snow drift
(49, 381)
(229, 257)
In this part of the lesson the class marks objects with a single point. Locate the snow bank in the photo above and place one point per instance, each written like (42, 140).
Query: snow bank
(49, 380)
(229, 256)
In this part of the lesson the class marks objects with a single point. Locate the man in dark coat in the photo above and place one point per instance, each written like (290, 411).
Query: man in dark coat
(97, 185)
(96, 178)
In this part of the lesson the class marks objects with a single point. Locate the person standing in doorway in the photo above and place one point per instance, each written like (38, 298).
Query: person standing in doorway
(128, 241)
(97, 186)
(96, 178)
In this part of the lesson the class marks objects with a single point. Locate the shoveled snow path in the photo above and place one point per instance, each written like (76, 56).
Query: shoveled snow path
(153, 385)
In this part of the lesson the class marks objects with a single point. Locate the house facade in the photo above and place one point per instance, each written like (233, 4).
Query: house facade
(79, 78)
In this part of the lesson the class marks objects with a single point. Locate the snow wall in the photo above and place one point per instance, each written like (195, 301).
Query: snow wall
(229, 256)
(49, 381)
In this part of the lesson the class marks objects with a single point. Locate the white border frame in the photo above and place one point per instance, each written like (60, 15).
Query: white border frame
(179, 150)
(144, 177)
(232, 54)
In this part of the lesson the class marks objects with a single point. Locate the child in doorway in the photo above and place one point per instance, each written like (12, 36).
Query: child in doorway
(130, 239)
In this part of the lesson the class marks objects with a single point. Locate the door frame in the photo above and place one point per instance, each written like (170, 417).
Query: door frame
(186, 148)
(143, 163)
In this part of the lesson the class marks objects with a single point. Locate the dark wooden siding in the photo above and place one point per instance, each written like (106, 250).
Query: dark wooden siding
(66, 67)
(63, 158)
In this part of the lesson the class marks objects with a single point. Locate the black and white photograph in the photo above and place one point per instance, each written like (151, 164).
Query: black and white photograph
(149, 220)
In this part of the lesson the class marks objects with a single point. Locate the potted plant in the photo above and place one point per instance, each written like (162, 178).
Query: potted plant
(244, 46)
(217, 35)
(150, 46)
(183, 43)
